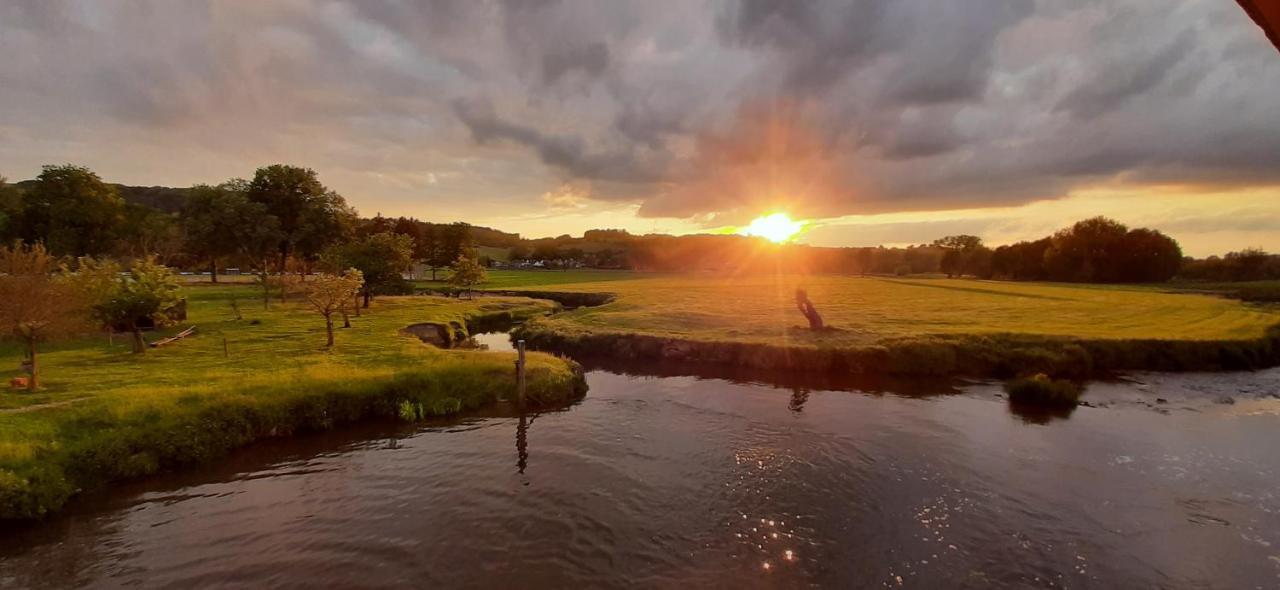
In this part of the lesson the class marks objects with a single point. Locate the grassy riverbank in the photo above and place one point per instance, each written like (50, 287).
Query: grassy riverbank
(106, 414)
(915, 326)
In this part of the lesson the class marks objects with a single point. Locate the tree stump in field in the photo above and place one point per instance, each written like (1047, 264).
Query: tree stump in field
(806, 307)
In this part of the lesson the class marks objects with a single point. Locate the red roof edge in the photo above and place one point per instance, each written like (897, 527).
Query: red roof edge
(1267, 14)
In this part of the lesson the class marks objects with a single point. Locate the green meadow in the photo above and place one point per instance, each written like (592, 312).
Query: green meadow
(106, 414)
(915, 325)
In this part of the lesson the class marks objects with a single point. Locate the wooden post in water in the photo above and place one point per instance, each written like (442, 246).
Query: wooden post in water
(520, 372)
(225, 352)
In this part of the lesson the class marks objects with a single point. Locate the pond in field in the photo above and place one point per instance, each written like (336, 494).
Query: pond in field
(717, 481)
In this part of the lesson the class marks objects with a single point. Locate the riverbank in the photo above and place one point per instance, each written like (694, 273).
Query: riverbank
(910, 326)
(106, 414)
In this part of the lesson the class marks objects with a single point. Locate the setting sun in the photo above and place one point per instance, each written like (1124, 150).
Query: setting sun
(775, 227)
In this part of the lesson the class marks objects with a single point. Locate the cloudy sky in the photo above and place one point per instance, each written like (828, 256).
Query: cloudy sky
(885, 121)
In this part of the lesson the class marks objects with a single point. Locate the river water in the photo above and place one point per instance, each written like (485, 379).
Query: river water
(697, 480)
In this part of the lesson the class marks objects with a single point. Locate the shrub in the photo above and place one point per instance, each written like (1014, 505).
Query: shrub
(1042, 391)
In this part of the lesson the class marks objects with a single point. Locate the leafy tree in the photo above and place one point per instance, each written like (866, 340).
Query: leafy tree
(1247, 265)
(381, 259)
(72, 211)
(149, 232)
(429, 249)
(310, 216)
(10, 210)
(1101, 250)
(455, 242)
(330, 293)
(1023, 261)
(467, 273)
(1148, 256)
(39, 304)
(221, 222)
(960, 254)
(148, 291)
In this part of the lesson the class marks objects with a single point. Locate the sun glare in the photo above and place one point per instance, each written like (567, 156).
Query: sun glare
(775, 227)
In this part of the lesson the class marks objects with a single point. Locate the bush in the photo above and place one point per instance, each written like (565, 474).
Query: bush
(1040, 390)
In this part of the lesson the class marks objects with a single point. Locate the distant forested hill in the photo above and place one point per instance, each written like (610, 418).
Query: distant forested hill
(163, 198)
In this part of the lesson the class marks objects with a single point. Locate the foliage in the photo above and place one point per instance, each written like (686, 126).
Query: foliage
(381, 258)
(111, 415)
(328, 293)
(310, 217)
(149, 232)
(1040, 390)
(963, 255)
(467, 273)
(221, 222)
(1101, 250)
(10, 209)
(39, 304)
(1250, 264)
(148, 291)
(72, 211)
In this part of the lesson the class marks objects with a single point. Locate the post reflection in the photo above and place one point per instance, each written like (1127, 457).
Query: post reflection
(522, 441)
(799, 395)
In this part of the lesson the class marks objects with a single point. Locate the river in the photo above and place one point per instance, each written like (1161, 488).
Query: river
(705, 480)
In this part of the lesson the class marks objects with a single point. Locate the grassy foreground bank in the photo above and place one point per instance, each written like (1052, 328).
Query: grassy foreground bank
(106, 414)
(913, 326)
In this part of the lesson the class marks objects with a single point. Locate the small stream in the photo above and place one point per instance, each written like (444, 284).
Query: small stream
(682, 477)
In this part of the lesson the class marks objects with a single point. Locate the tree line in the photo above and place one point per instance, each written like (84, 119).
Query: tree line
(282, 220)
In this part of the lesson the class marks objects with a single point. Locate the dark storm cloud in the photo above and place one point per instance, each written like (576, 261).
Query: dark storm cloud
(566, 152)
(1115, 83)
(704, 110)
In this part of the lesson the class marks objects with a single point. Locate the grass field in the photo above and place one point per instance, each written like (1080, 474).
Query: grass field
(868, 310)
(914, 325)
(106, 413)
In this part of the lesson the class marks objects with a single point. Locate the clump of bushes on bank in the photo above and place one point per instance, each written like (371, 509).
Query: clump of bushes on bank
(1041, 390)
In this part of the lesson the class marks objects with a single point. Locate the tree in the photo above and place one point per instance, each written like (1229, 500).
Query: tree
(148, 292)
(72, 211)
(221, 222)
(330, 293)
(310, 216)
(149, 232)
(960, 253)
(429, 249)
(381, 258)
(39, 304)
(1149, 256)
(1246, 265)
(1101, 250)
(10, 210)
(455, 242)
(467, 273)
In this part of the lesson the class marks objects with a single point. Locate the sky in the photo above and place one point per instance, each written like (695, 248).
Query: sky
(881, 121)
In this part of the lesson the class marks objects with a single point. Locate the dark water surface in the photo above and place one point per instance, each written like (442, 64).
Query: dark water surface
(680, 481)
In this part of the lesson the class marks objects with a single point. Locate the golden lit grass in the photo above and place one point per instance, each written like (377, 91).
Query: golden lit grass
(870, 310)
(106, 413)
